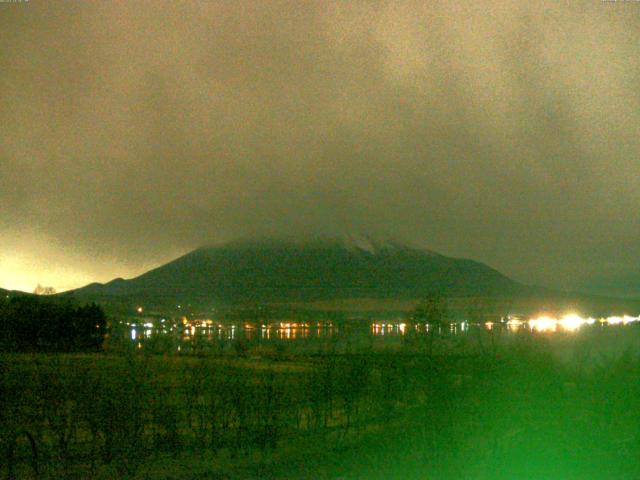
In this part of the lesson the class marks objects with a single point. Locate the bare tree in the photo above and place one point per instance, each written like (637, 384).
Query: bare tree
(40, 290)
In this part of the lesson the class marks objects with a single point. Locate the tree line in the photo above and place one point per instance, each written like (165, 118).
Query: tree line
(32, 324)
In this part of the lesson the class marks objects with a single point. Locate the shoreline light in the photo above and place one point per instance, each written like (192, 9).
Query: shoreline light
(625, 319)
(572, 322)
(543, 324)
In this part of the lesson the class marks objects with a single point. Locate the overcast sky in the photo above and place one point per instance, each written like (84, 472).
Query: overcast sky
(504, 131)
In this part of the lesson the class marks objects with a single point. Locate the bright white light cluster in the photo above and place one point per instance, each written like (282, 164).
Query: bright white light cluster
(573, 322)
(620, 320)
(543, 324)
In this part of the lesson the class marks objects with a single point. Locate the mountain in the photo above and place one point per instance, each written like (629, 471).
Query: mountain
(285, 270)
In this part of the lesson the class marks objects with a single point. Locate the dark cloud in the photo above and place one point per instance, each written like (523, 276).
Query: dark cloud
(501, 131)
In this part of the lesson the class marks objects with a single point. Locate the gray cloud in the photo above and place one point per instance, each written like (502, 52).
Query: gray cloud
(501, 131)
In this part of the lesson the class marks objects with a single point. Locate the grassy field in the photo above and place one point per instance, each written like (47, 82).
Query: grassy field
(515, 411)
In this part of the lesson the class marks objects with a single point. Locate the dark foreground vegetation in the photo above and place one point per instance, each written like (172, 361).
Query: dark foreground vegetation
(508, 413)
(29, 323)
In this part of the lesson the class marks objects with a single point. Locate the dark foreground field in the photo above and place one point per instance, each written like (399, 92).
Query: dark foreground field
(514, 412)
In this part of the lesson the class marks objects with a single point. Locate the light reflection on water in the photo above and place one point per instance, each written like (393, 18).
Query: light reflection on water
(189, 332)
(249, 331)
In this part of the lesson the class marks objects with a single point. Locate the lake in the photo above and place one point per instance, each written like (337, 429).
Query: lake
(568, 335)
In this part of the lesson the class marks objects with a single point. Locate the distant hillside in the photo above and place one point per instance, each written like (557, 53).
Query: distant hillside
(287, 271)
(625, 285)
(13, 293)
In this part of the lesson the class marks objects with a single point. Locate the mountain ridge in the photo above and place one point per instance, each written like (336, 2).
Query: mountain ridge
(277, 270)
